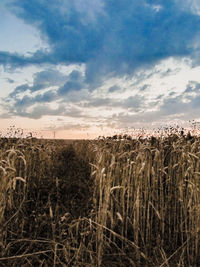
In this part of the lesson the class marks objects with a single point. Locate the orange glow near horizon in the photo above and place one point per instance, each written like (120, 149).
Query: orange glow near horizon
(46, 134)
(93, 134)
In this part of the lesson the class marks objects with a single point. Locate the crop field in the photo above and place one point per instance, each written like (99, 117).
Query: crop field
(105, 203)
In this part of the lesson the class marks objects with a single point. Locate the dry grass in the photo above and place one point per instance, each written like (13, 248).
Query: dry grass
(101, 203)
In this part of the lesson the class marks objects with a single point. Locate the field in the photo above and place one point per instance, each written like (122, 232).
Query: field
(110, 202)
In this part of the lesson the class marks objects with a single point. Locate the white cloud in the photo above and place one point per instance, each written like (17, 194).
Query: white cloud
(162, 99)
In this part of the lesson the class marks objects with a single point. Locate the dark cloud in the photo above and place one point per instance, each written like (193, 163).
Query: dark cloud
(20, 106)
(30, 101)
(48, 97)
(48, 78)
(168, 108)
(144, 87)
(169, 71)
(78, 101)
(110, 37)
(28, 108)
(39, 111)
(159, 97)
(76, 97)
(27, 101)
(75, 82)
(10, 80)
(133, 103)
(69, 86)
(192, 86)
(76, 75)
(12, 61)
(19, 89)
(69, 95)
(173, 105)
(114, 88)
(172, 93)
(74, 112)
(100, 102)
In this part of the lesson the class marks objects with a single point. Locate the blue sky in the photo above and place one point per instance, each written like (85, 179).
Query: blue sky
(84, 68)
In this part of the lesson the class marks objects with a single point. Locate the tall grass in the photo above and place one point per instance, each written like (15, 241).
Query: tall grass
(12, 171)
(103, 203)
(147, 193)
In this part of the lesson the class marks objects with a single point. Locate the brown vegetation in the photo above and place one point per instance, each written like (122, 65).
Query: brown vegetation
(106, 202)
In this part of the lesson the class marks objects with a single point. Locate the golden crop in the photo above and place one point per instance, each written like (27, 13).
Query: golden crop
(100, 203)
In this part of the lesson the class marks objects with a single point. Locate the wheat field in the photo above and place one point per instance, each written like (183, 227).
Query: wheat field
(107, 202)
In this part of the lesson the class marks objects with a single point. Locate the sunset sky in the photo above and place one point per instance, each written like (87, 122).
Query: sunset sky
(83, 68)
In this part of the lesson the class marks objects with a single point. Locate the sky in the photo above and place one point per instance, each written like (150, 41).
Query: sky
(80, 69)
